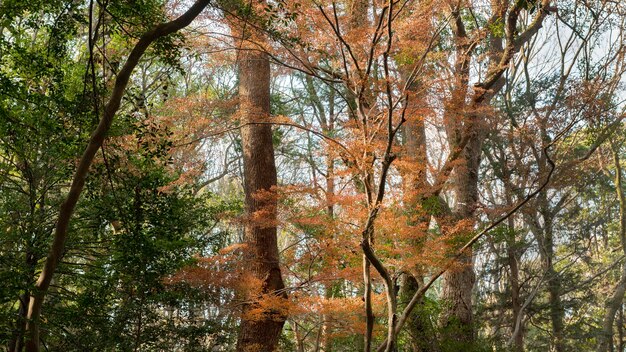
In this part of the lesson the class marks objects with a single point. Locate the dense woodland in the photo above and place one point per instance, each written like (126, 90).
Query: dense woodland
(312, 175)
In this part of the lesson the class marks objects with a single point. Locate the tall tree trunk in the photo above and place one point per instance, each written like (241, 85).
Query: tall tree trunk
(456, 318)
(327, 122)
(513, 259)
(547, 252)
(357, 11)
(613, 304)
(466, 120)
(415, 183)
(298, 337)
(458, 283)
(259, 333)
(545, 237)
(556, 306)
(516, 303)
(419, 327)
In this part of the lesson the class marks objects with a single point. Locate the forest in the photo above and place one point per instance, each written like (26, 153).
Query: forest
(313, 175)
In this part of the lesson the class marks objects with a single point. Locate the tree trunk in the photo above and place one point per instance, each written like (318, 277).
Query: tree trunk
(457, 319)
(17, 341)
(547, 252)
(553, 281)
(328, 125)
(298, 337)
(613, 304)
(516, 303)
(259, 332)
(556, 309)
(419, 327)
(415, 182)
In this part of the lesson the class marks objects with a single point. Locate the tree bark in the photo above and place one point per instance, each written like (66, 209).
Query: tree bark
(546, 242)
(457, 319)
(419, 328)
(259, 333)
(516, 302)
(614, 303)
(415, 183)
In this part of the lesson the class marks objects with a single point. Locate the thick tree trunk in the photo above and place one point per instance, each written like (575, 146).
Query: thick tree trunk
(457, 319)
(419, 327)
(458, 284)
(259, 333)
(556, 310)
(415, 183)
(457, 296)
(546, 242)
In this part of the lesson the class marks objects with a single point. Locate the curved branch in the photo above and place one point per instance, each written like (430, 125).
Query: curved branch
(78, 182)
(420, 293)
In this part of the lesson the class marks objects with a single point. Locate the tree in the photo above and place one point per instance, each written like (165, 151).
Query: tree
(260, 327)
(67, 208)
(312, 176)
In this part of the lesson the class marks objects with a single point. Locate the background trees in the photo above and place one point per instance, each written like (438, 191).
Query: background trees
(358, 175)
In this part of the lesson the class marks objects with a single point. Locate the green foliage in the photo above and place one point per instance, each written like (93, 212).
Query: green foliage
(110, 293)
(121, 284)
(432, 205)
(497, 28)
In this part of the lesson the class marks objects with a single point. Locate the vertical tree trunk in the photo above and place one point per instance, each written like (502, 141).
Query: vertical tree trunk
(457, 318)
(357, 19)
(545, 237)
(415, 183)
(513, 258)
(546, 242)
(259, 333)
(332, 287)
(421, 332)
(327, 122)
(458, 284)
(298, 337)
(556, 306)
(613, 304)
(516, 304)
(16, 343)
